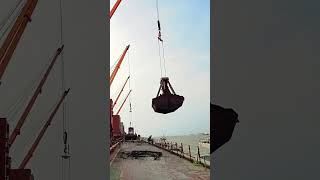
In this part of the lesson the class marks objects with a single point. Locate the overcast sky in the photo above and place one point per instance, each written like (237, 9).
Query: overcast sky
(186, 33)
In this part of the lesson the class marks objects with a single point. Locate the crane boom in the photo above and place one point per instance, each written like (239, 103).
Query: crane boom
(115, 102)
(43, 130)
(15, 34)
(114, 8)
(114, 73)
(123, 103)
(26, 112)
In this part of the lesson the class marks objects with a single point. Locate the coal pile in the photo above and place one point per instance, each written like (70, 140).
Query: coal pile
(141, 155)
(168, 101)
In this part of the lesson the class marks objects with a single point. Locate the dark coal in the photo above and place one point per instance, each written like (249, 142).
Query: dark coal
(141, 154)
(223, 123)
(168, 101)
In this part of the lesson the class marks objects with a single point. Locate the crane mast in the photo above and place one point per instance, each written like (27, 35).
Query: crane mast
(15, 34)
(123, 103)
(114, 73)
(115, 102)
(114, 8)
(43, 130)
(26, 112)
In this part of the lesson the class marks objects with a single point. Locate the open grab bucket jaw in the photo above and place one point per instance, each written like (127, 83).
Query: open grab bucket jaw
(168, 101)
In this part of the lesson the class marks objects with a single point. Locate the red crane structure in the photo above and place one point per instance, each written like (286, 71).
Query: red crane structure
(112, 76)
(11, 41)
(113, 119)
(115, 102)
(27, 110)
(116, 69)
(42, 132)
(7, 49)
(123, 103)
(114, 8)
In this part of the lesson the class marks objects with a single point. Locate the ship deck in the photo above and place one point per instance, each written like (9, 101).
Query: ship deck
(169, 166)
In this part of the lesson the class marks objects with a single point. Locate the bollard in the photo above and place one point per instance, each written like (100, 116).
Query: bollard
(199, 154)
(190, 152)
(177, 147)
(182, 150)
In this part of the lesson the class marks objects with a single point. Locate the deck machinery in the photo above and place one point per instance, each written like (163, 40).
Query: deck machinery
(6, 173)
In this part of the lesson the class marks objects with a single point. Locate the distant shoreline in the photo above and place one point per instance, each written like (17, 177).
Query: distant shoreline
(195, 134)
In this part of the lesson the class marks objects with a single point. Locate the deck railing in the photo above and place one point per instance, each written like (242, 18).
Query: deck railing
(115, 144)
(183, 151)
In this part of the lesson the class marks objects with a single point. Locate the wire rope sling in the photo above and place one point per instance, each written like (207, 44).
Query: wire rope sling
(167, 100)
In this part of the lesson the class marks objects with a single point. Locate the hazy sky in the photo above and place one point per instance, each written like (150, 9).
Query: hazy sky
(186, 33)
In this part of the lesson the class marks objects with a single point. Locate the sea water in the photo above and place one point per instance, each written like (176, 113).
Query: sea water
(192, 140)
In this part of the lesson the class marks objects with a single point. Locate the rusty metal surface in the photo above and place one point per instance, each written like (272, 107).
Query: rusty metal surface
(20, 174)
(168, 166)
(4, 151)
(116, 125)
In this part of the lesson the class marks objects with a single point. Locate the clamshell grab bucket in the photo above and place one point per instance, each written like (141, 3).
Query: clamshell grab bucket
(166, 102)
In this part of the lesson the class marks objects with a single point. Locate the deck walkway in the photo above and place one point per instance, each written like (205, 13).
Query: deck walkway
(168, 167)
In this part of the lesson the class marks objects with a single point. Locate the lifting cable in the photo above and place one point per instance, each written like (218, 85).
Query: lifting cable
(172, 101)
(130, 106)
(160, 41)
(66, 153)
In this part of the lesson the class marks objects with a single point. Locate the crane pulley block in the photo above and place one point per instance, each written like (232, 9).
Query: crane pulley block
(168, 101)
